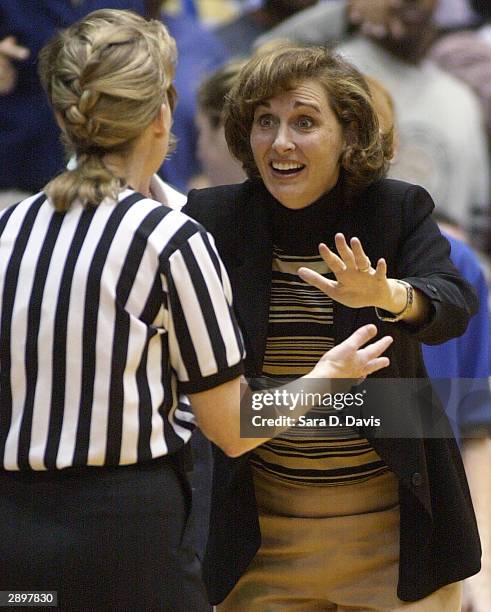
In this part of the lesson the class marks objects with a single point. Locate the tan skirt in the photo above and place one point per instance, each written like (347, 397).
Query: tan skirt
(329, 548)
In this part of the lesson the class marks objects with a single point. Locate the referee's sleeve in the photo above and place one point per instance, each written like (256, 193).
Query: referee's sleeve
(206, 347)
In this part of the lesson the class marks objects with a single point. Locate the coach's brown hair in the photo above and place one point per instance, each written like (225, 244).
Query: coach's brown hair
(284, 67)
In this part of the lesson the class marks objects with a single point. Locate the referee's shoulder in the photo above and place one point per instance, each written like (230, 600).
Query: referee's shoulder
(22, 205)
(171, 231)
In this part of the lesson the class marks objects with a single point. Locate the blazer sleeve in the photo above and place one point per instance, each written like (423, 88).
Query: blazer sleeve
(424, 262)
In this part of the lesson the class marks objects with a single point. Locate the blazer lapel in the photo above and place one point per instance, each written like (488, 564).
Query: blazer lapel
(251, 275)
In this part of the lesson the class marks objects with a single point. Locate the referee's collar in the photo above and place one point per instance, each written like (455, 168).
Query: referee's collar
(165, 194)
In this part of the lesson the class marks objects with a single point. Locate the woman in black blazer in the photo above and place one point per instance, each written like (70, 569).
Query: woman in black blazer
(327, 519)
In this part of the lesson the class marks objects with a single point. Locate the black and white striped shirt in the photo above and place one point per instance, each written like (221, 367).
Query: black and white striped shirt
(108, 316)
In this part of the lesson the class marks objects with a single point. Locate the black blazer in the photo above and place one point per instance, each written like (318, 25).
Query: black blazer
(439, 542)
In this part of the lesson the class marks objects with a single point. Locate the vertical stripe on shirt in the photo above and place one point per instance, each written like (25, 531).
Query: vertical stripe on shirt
(21, 237)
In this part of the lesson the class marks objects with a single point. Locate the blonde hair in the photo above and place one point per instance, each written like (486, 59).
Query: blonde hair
(106, 78)
(284, 67)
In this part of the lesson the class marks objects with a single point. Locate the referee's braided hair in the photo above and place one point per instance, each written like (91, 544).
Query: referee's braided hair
(106, 78)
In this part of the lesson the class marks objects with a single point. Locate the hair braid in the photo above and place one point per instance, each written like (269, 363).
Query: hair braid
(106, 77)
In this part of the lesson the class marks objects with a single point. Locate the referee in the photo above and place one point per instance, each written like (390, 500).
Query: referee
(112, 308)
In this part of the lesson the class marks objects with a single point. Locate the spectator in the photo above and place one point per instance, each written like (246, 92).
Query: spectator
(219, 167)
(200, 52)
(467, 56)
(239, 34)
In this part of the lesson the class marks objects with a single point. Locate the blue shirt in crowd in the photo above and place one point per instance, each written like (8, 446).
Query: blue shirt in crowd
(453, 364)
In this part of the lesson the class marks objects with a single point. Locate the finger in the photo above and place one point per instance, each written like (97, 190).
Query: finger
(335, 263)
(377, 364)
(317, 280)
(10, 48)
(375, 349)
(381, 269)
(344, 251)
(359, 337)
(362, 261)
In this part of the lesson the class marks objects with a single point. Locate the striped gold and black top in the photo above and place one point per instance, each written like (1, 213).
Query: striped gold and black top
(301, 324)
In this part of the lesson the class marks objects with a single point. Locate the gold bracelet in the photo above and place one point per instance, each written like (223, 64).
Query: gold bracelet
(392, 318)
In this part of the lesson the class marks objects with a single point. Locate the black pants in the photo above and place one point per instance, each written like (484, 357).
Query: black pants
(104, 538)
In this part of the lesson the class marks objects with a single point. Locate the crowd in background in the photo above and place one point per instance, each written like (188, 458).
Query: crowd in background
(433, 58)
